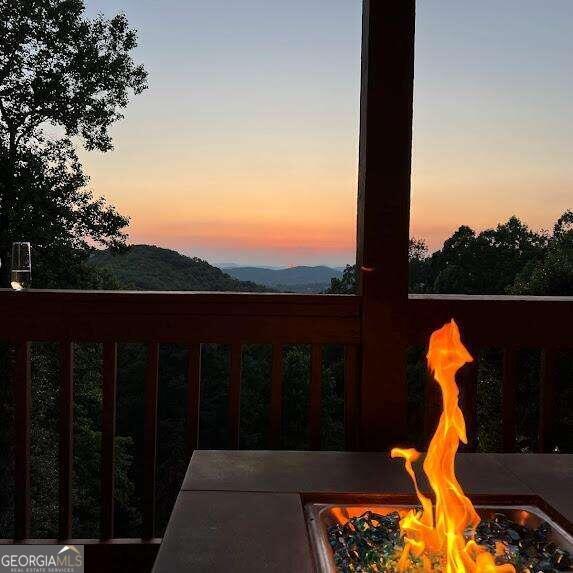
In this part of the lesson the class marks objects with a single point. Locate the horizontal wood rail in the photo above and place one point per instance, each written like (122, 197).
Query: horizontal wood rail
(123, 316)
(67, 317)
(494, 321)
(120, 316)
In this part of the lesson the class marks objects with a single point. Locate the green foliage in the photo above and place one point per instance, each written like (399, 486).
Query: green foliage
(551, 274)
(510, 259)
(62, 76)
(487, 262)
(347, 284)
(59, 67)
(54, 210)
(146, 267)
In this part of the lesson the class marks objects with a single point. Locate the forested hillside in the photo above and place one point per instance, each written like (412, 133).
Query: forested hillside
(146, 267)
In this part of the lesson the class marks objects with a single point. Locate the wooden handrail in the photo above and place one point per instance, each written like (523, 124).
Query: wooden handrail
(178, 317)
(494, 321)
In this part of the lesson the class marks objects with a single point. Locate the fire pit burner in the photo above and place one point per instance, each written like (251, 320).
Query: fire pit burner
(359, 538)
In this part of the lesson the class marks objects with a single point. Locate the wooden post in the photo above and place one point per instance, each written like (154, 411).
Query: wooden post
(384, 216)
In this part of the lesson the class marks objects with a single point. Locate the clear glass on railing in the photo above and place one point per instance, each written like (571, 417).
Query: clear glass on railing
(21, 266)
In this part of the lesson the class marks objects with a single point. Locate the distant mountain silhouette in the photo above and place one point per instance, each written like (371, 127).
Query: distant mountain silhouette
(294, 279)
(146, 267)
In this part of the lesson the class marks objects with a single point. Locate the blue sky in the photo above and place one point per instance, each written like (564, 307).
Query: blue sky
(244, 148)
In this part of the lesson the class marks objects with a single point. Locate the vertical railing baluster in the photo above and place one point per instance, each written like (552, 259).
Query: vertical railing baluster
(66, 438)
(150, 439)
(275, 422)
(508, 399)
(22, 397)
(547, 400)
(351, 373)
(315, 405)
(235, 395)
(108, 439)
(468, 381)
(193, 397)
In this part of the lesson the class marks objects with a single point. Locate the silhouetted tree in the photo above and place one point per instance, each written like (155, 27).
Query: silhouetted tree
(62, 76)
(64, 79)
(487, 262)
(552, 274)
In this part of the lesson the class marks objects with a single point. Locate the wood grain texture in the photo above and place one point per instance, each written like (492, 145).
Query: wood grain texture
(494, 321)
(179, 317)
(384, 216)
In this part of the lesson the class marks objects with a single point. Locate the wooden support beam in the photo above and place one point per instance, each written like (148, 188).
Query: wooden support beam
(384, 216)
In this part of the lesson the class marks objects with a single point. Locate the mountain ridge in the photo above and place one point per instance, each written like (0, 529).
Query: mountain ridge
(148, 267)
(301, 278)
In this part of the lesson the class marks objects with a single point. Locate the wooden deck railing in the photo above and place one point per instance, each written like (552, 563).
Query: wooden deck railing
(509, 323)
(152, 318)
(68, 317)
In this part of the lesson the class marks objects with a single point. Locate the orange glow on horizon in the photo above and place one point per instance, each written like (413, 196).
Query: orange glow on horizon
(285, 237)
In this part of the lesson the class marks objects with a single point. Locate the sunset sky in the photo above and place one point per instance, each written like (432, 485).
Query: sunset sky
(244, 149)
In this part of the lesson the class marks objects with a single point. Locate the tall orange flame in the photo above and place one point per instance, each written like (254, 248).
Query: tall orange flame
(437, 531)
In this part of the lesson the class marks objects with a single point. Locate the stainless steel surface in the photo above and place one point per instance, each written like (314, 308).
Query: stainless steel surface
(320, 516)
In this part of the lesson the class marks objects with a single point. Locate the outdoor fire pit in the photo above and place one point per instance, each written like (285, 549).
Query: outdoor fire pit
(353, 512)
(348, 538)
(445, 532)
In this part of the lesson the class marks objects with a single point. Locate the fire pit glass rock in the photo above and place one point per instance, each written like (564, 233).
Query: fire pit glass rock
(354, 539)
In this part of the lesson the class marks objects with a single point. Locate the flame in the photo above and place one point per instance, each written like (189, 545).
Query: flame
(437, 530)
